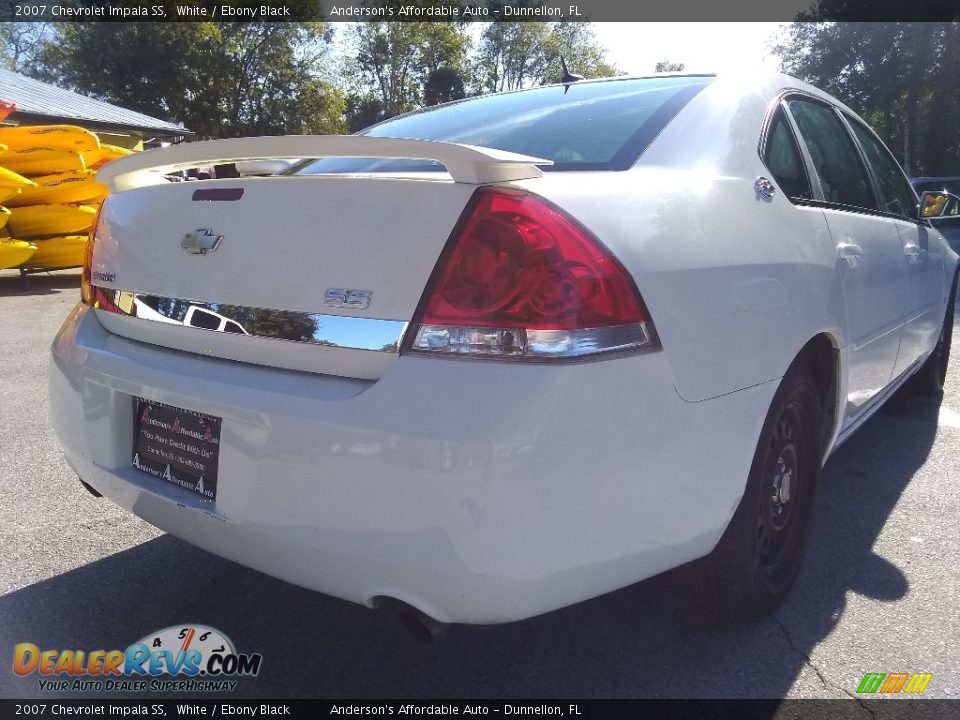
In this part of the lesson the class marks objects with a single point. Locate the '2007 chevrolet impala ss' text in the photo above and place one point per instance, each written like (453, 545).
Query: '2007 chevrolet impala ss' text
(499, 356)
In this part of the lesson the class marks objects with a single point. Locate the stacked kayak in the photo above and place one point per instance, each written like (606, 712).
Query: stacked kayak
(37, 221)
(73, 186)
(106, 153)
(61, 137)
(15, 252)
(12, 252)
(58, 252)
(49, 195)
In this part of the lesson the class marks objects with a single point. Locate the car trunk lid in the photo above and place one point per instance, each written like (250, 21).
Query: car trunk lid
(317, 273)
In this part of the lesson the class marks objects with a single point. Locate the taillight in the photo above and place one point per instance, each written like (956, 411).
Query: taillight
(522, 279)
(86, 288)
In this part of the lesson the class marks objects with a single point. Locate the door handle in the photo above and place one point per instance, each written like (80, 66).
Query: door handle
(851, 252)
(911, 250)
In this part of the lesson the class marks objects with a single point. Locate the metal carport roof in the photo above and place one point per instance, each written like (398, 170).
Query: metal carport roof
(40, 101)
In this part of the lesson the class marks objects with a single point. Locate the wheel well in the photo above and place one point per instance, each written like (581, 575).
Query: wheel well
(823, 358)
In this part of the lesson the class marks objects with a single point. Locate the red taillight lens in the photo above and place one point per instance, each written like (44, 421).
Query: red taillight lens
(522, 278)
(86, 288)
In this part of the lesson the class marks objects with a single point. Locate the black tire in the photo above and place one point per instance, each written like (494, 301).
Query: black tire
(759, 556)
(931, 376)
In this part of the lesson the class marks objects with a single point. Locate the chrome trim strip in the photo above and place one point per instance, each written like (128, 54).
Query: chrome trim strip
(353, 333)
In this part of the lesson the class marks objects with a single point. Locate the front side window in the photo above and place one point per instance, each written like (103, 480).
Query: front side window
(843, 177)
(898, 196)
(782, 158)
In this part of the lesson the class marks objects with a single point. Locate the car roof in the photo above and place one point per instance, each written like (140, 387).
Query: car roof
(936, 178)
(728, 83)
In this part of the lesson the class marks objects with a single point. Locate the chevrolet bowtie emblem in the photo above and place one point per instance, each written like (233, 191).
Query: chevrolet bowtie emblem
(201, 241)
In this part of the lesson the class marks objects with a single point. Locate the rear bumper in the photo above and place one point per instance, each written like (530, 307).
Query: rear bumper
(475, 491)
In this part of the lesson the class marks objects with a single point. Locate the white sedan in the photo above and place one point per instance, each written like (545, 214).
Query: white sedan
(499, 356)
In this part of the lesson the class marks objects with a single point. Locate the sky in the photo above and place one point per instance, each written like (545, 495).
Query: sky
(636, 48)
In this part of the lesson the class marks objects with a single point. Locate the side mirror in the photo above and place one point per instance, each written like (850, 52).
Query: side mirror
(938, 204)
(252, 168)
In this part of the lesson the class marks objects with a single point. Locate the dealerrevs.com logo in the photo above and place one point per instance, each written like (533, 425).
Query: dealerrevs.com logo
(201, 658)
(893, 683)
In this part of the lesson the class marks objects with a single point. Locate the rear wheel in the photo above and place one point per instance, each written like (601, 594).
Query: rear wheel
(759, 556)
(932, 375)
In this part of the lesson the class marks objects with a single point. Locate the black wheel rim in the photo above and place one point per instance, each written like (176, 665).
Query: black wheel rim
(782, 496)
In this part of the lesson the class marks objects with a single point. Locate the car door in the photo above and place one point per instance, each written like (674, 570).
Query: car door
(949, 225)
(870, 256)
(925, 261)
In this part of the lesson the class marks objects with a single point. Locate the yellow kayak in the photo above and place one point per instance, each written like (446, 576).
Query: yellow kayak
(61, 137)
(37, 220)
(41, 160)
(10, 179)
(76, 186)
(8, 192)
(4, 217)
(96, 159)
(15, 252)
(57, 252)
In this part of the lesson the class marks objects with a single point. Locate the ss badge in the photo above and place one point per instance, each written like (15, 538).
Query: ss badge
(347, 298)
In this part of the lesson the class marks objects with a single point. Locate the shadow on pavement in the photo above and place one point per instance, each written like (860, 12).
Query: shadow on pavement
(637, 642)
(41, 284)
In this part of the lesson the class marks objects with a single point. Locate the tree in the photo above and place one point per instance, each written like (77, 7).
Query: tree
(878, 11)
(514, 55)
(219, 79)
(903, 78)
(665, 66)
(443, 85)
(19, 42)
(576, 43)
(273, 323)
(394, 60)
(510, 55)
(363, 111)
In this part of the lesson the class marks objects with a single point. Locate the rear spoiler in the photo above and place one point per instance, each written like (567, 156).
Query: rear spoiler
(465, 163)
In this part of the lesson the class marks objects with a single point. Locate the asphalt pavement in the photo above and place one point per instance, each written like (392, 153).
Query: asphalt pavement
(880, 590)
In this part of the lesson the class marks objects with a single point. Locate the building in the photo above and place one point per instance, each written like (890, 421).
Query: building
(39, 103)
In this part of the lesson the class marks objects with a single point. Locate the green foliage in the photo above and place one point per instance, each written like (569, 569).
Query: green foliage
(20, 42)
(510, 55)
(514, 55)
(363, 111)
(272, 323)
(903, 78)
(231, 79)
(666, 66)
(443, 85)
(878, 10)
(219, 79)
(577, 44)
(394, 60)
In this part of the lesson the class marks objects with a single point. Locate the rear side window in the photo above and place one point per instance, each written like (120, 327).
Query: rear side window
(843, 177)
(782, 158)
(205, 320)
(582, 126)
(898, 196)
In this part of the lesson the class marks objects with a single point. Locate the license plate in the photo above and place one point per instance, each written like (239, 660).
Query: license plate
(179, 446)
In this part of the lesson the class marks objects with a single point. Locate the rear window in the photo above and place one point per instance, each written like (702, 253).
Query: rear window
(583, 126)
